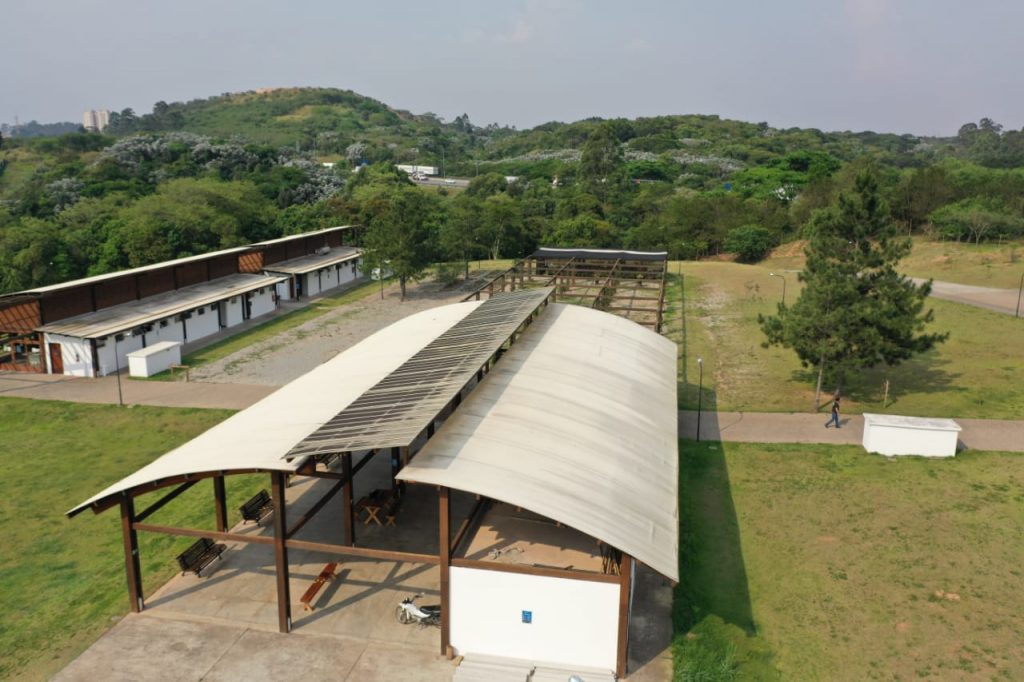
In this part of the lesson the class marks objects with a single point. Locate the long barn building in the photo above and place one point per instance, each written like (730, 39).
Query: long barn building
(88, 326)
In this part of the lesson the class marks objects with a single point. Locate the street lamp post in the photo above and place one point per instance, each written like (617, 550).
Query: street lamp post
(1020, 288)
(772, 274)
(700, 393)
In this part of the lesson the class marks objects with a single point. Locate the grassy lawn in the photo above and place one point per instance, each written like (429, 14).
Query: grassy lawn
(976, 373)
(985, 265)
(62, 580)
(825, 563)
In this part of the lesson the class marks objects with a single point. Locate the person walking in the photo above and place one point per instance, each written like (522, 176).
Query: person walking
(834, 419)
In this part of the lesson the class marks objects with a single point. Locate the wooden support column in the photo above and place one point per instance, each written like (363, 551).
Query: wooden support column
(131, 554)
(395, 468)
(625, 590)
(348, 518)
(284, 599)
(404, 457)
(220, 500)
(445, 556)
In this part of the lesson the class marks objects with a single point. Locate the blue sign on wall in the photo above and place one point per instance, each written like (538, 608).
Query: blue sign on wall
(527, 616)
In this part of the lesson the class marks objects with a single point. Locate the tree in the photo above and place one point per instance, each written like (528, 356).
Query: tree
(856, 310)
(750, 243)
(977, 218)
(402, 233)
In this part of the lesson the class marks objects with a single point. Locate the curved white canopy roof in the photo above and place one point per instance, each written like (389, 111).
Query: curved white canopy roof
(261, 435)
(577, 422)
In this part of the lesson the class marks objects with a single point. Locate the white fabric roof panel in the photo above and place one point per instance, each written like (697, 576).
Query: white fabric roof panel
(577, 422)
(260, 436)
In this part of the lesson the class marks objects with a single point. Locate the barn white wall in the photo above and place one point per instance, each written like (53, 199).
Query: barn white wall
(263, 303)
(201, 326)
(76, 354)
(106, 353)
(283, 290)
(233, 311)
(574, 621)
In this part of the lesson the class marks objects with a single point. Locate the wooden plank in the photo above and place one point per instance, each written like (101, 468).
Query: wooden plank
(284, 600)
(625, 579)
(201, 533)
(148, 511)
(445, 559)
(545, 572)
(365, 552)
(130, 539)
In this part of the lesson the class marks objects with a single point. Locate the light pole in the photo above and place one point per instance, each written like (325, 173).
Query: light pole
(1020, 288)
(772, 274)
(700, 393)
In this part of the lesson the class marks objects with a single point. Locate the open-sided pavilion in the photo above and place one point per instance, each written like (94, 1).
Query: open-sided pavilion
(564, 413)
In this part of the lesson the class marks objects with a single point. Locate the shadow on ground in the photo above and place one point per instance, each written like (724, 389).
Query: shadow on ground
(716, 635)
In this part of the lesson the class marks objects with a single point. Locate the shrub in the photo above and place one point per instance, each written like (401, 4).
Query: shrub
(750, 243)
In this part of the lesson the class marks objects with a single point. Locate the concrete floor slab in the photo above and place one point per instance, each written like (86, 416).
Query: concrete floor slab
(273, 657)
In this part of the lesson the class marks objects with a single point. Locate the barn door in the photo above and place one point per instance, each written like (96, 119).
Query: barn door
(56, 359)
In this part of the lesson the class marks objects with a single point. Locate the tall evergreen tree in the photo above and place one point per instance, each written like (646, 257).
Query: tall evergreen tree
(855, 311)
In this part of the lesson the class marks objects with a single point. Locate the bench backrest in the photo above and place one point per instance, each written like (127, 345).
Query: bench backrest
(259, 500)
(191, 556)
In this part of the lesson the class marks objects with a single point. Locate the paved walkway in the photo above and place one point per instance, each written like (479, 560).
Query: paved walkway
(769, 427)
(999, 300)
(133, 391)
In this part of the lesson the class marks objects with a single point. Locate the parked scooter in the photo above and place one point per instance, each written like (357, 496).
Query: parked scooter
(408, 612)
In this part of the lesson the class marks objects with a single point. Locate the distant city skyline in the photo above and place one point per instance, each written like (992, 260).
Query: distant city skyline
(917, 66)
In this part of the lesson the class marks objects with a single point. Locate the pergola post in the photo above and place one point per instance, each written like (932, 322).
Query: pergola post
(396, 466)
(445, 556)
(131, 553)
(220, 500)
(346, 496)
(404, 458)
(284, 601)
(625, 590)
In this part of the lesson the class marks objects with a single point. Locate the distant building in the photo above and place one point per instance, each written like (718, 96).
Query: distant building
(96, 120)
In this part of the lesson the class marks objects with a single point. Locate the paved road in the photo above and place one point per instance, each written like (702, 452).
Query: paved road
(767, 427)
(999, 300)
(135, 392)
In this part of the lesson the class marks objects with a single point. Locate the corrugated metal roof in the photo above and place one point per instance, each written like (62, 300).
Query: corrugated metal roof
(577, 422)
(124, 316)
(259, 436)
(605, 254)
(133, 271)
(304, 264)
(395, 411)
(291, 237)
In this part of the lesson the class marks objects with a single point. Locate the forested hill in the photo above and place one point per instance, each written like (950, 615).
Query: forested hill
(234, 168)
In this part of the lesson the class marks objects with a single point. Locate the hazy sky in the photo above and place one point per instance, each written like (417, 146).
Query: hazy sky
(920, 66)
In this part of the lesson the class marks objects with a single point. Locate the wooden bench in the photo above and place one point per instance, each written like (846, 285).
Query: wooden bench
(328, 574)
(200, 555)
(391, 509)
(257, 508)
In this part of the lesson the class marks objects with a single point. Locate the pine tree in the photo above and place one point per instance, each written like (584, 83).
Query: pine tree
(855, 311)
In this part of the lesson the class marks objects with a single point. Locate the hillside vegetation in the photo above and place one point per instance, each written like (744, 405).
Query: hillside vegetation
(192, 177)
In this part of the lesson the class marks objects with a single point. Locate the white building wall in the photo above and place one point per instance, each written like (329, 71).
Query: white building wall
(201, 326)
(171, 332)
(106, 353)
(574, 622)
(76, 354)
(312, 284)
(328, 278)
(284, 290)
(263, 303)
(233, 311)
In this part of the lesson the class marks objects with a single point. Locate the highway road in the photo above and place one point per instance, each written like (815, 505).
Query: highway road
(461, 183)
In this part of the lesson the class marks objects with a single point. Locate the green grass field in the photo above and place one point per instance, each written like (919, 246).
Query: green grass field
(985, 265)
(976, 373)
(62, 580)
(826, 563)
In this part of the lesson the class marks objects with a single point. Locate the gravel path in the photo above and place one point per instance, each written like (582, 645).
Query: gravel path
(288, 355)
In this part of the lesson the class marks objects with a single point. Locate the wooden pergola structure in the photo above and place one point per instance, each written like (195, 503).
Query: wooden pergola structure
(630, 284)
(396, 417)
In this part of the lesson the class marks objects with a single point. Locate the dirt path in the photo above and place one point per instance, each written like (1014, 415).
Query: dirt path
(288, 355)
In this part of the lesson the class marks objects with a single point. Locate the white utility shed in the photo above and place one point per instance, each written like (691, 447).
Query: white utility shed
(154, 359)
(893, 435)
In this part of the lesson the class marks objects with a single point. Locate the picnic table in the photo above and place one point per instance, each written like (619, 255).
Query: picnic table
(380, 501)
